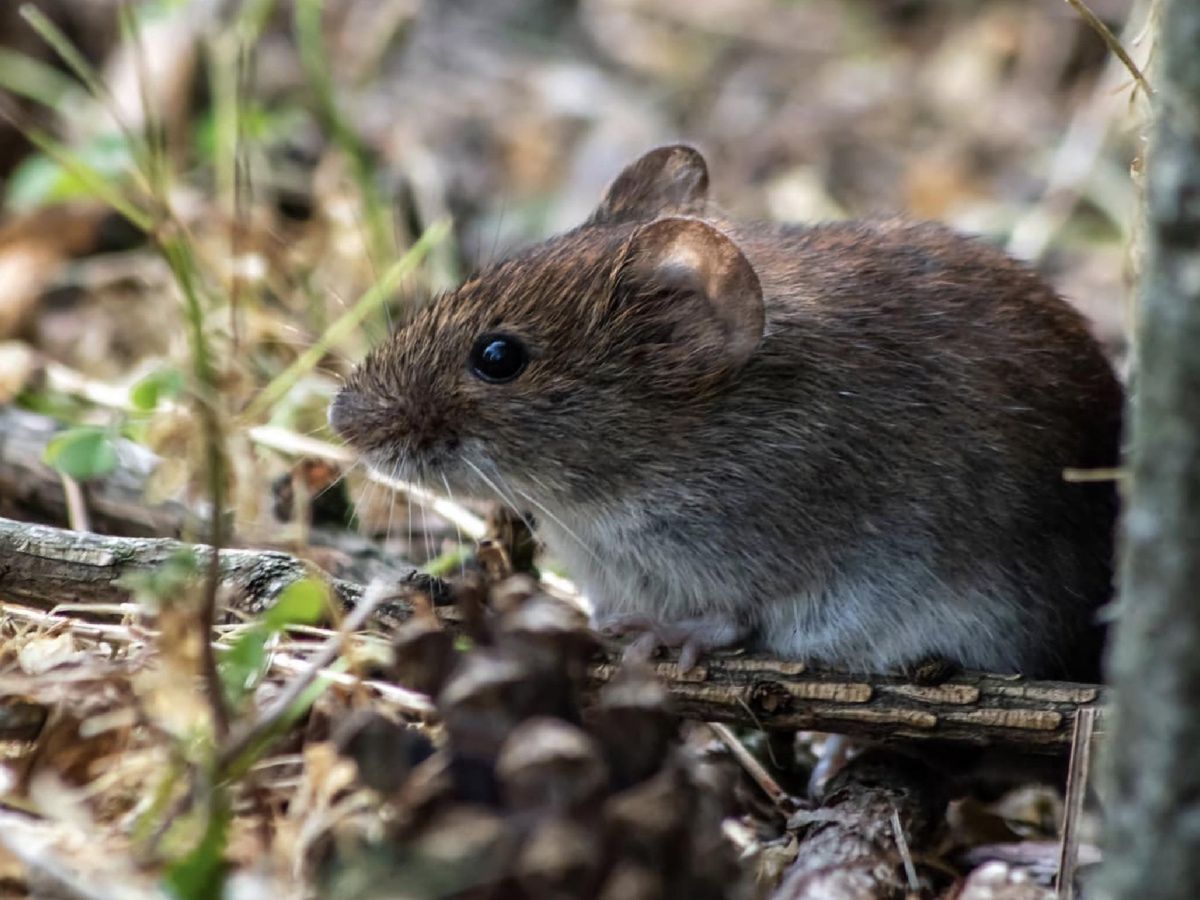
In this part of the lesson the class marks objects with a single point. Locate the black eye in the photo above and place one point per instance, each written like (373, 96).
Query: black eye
(498, 358)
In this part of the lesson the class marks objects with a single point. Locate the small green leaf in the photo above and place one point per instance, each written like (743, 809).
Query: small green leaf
(243, 664)
(158, 385)
(449, 562)
(82, 453)
(200, 874)
(463, 644)
(41, 178)
(302, 602)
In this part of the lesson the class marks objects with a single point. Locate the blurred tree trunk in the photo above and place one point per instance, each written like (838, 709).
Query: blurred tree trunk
(1154, 803)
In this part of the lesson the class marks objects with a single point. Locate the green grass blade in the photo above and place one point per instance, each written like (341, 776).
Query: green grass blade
(30, 78)
(68, 52)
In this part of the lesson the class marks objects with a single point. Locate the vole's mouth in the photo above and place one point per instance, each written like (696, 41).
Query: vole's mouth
(444, 470)
(396, 465)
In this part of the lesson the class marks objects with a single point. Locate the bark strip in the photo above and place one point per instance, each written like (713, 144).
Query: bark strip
(43, 567)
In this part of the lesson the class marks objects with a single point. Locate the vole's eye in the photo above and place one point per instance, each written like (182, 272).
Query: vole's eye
(497, 358)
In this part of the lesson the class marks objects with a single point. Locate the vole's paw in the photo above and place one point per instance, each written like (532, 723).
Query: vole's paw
(694, 637)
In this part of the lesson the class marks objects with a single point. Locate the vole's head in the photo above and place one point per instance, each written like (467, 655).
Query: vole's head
(558, 370)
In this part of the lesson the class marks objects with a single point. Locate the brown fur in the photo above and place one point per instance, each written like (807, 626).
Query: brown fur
(843, 442)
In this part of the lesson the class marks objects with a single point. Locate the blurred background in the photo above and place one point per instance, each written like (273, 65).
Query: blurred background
(298, 148)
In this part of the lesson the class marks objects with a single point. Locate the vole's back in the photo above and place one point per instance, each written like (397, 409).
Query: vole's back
(936, 392)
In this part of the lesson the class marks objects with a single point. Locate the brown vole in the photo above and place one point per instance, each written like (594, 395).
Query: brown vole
(842, 443)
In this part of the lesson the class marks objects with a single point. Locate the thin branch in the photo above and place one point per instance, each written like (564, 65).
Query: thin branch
(1111, 41)
(46, 566)
(753, 768)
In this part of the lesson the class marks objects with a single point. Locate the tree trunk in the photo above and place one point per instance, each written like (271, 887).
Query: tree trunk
(1153, 817)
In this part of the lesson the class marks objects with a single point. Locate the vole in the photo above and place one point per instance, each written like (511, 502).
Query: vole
(843, 443)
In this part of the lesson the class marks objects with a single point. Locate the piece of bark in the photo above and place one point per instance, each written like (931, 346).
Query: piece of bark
(850, 849)
(44, 567)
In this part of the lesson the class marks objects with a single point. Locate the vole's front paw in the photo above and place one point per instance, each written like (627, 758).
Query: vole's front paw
(694, 637)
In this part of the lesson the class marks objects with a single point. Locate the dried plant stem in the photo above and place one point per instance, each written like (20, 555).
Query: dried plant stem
(1111, 42)
(77, 513)
(178, 256)
(1077, 781)
(753, 768)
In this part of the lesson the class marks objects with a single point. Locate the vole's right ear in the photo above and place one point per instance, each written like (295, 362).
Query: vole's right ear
(693, 294)
(667, 181)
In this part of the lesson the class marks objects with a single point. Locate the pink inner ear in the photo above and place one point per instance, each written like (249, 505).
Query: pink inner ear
(692, 256)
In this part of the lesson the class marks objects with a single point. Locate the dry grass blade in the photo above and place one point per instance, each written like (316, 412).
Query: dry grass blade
(351, 319)
(251, 734)
(1112, 43)
(910, 870)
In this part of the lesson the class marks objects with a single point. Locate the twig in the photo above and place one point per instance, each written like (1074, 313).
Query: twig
(1077, 780)
(246, 737)
(1082, 476)
(758, 774)
(1111, 42)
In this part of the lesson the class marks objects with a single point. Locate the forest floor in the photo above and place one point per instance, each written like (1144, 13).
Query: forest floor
(210, 211)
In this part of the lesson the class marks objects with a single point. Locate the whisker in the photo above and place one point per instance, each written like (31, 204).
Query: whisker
(408, 508)
(504, 498)
(509, 501)
(462, 562)
(427, 551)
(363, 504)
(516, 507)
(561, 524)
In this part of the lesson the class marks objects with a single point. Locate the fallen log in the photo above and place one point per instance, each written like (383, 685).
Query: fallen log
(46, 567)
(879, 814)
(116, 504)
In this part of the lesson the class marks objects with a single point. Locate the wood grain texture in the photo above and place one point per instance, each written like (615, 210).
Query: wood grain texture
(45, 566)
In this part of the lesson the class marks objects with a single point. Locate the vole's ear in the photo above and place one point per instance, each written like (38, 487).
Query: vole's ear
(693, 290)
(671, 180)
